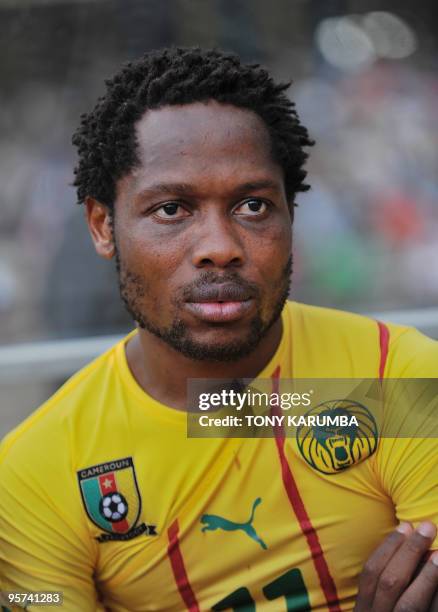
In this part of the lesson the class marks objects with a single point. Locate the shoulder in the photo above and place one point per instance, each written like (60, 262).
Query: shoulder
(47, 435)
(39, 461)
(329, 343)
(330, 319)
(333, 329)
(373, 348)
(411, 354)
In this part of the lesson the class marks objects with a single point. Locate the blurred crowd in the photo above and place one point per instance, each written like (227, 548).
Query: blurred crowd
(367, 234)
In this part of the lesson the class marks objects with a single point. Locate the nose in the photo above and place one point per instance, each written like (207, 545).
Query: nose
(217, 244)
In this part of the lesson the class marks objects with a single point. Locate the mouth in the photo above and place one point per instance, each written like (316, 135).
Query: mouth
(219, 312)
(219, 303)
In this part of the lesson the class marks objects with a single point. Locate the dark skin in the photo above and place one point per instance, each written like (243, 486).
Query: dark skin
(207, 203)
(401, 575)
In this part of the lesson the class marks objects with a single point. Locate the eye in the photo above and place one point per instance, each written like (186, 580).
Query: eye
(253, 207)
(171, 210)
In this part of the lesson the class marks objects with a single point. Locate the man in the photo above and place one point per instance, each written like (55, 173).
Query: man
(189, 166)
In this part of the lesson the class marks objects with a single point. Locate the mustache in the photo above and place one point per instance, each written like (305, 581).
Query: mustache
(211, 287)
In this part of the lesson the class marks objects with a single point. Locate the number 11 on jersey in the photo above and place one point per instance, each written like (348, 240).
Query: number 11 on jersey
(289, 585)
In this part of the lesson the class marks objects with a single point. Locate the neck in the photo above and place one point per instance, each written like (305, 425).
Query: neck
(162, 372)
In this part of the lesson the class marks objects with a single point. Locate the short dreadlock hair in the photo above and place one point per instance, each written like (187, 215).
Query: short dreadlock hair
(106, 140)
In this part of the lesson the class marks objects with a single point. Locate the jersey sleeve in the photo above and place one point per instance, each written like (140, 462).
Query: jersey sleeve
(407, 456)
(409, 474)
(43, 546)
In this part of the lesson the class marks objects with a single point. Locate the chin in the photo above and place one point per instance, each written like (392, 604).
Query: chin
(217, 349)
(215, 354)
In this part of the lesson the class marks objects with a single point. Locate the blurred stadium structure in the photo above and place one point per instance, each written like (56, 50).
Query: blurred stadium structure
(366, 236)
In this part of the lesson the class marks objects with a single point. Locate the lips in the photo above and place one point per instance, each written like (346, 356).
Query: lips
(224, 292)
(219, 312)
(219, 303)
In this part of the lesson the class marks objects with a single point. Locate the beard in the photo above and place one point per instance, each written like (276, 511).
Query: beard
(177, 335)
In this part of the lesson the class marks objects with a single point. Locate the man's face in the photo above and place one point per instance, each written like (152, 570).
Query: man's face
(202, 230)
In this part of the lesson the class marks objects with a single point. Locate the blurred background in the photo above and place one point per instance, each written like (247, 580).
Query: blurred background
(365, 84)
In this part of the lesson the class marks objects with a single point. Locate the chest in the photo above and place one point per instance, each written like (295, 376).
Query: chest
(244, 525)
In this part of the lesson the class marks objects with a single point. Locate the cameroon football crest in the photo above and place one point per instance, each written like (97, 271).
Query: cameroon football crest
(112, 500)
(341, 434)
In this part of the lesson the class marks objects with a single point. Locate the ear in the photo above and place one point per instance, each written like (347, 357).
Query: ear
(99, 223)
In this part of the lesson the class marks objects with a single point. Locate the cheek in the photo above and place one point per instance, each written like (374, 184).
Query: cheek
(149, 256)
(272, 251)
(156, 265)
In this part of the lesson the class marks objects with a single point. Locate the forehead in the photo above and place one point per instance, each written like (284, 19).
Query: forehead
(203, 138)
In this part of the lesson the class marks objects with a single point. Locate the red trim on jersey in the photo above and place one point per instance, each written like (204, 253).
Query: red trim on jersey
(107, 483)
(179, 570)
(384, 347)
(326, 581)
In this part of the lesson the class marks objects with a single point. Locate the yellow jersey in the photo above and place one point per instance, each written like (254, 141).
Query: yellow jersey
(106, 499)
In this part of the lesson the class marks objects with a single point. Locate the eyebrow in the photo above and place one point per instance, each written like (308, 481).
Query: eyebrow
(188, 189)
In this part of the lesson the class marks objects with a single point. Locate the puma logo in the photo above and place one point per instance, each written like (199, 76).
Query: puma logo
(212, 522)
